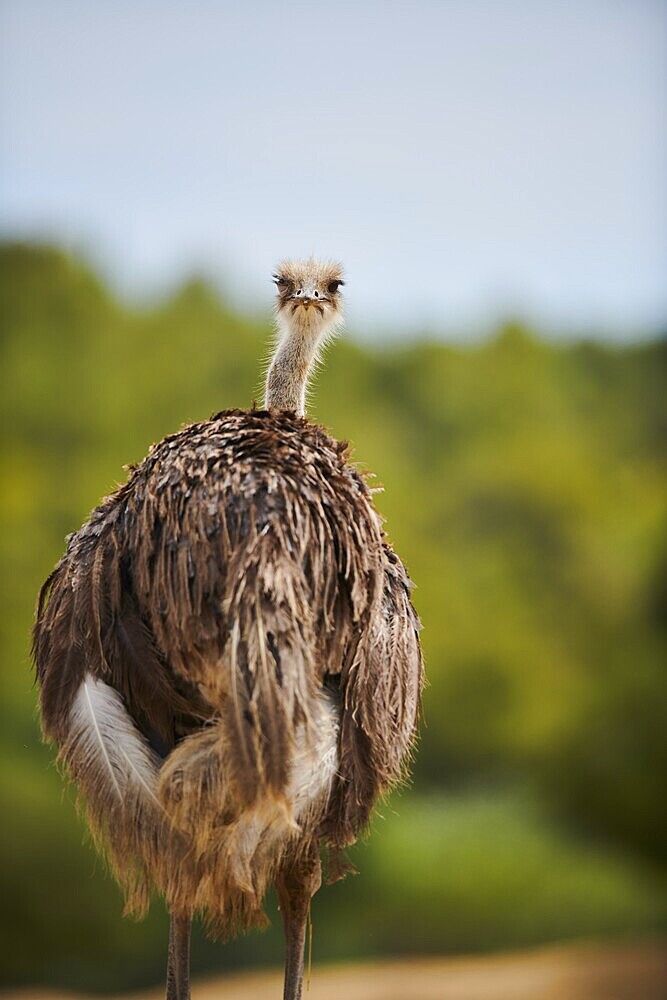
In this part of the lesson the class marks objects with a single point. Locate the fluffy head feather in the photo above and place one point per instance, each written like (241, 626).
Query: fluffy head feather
(310, 284)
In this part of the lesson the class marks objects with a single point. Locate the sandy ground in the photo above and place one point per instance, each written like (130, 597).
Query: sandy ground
(619, 972)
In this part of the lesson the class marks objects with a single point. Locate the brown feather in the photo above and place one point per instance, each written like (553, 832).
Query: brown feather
(240, 568)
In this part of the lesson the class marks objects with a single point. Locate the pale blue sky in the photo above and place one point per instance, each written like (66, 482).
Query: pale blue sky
(465, 159)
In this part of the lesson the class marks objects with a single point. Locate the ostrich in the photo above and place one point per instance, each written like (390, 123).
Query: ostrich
(228, 656)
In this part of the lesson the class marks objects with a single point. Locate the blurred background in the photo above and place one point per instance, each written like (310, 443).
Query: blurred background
(492, 174)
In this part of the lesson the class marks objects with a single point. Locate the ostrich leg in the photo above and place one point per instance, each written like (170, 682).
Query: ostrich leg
(178, 964)
(296, 885)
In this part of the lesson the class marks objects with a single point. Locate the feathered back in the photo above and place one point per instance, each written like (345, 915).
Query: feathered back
(241, 566)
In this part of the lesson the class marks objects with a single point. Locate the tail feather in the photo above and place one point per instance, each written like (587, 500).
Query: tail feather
(265, 684)
(202, 802)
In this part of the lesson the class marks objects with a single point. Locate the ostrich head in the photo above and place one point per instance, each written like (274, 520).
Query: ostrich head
(309, 300)
(308, 313)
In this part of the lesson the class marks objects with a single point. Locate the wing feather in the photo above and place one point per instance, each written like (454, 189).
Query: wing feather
(381, 704)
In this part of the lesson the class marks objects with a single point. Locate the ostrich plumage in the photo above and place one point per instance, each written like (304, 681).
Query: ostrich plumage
(229, 665)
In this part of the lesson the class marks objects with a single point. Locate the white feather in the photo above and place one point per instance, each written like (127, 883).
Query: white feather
(316, 761)
(104, 732)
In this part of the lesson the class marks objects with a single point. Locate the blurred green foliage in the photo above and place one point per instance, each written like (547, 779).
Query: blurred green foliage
(525, 488)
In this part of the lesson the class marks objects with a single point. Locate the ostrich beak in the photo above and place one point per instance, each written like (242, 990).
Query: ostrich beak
(306, 296)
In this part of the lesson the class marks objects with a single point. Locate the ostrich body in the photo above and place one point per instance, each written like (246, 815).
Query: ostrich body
(229, 659)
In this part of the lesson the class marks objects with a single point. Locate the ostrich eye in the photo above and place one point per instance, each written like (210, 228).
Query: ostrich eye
(280, 281)
(333, 286)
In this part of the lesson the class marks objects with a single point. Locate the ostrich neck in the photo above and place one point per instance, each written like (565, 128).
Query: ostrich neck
(288, 373)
